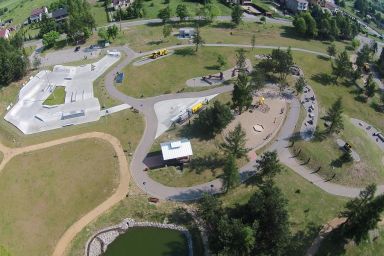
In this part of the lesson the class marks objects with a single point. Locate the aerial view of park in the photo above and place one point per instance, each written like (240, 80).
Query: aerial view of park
(191, 128)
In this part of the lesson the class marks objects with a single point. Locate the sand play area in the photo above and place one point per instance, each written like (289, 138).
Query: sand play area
(261, 124)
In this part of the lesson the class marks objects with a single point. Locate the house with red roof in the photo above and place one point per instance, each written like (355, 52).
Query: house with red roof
(37, 14)
(4, 33)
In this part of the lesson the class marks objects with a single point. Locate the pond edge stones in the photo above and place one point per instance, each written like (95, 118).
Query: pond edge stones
(98, 243)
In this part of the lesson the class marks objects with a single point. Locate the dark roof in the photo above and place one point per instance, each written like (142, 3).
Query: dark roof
(62, 12)
(37, 11)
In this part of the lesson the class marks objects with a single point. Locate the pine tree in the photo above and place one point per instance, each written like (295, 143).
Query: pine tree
(241, 94)
(234, 143)
(197, 39)
(268, 165)
(335, 118)
(231, 176)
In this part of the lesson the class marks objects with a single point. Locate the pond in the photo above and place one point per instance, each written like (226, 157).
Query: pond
(148, 241)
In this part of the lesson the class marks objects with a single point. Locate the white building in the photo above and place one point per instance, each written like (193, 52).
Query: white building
(176, 150)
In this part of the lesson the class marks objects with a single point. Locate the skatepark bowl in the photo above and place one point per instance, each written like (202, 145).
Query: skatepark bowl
(149, 241)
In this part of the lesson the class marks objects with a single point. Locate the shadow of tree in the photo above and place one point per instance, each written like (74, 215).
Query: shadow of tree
(157, 42)
(321, 57)
(225, 25)
(188, 51)
(208, 162)
(323, 78)
(302, 240)
(333, 244)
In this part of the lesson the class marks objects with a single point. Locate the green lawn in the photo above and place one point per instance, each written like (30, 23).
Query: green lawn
(29, 50)
(151, 8)
(44, 192)
(148, 37)
(99, 13)
(57, 97)
(169, 74)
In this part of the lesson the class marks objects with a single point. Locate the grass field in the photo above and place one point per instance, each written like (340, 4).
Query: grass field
(45, 191)
(169, 74)
(149, 37)
(20, 10)
(99, 13)
(57, 97)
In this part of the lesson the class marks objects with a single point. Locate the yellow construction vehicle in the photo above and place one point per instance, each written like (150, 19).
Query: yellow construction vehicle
(159, 53)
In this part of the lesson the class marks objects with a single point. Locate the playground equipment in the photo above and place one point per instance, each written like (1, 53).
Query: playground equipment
(261, 101)
(159, 53)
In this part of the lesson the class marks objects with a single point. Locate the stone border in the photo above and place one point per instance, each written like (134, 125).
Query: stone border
(98, 243)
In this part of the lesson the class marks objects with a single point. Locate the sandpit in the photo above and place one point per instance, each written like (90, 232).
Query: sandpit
(270, 121)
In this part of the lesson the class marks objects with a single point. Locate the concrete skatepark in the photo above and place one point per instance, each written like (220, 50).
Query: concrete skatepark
(30, 115)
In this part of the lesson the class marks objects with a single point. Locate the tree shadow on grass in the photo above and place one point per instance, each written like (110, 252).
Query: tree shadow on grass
(213, 67)
(210, 162)
(188, 51)
(225, 25)
(157, 42)
(290, 32)
(191, 131)
(321, 57)
(302, 240)
(333, 244)
(323, 78)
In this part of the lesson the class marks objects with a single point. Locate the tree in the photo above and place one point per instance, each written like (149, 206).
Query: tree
(197, 39)
(370, 86)
(182, 12)
(234, 143)
(362, 6)
(363, 56)
(300, 84)
(267, 211)
(221, 62)
(112, 31)
(236, 14)
(80, 21)
(331, 50)
(102, 33)
(167, 30)
(355, 43)
(342, 67)
(253, 41)
(208, 11)
(268, 165)
(231, 176)
(334, 117)
(241, 94)
(300, 25)
(213, 120)
(46, 25)
(362, 214)
(257, 81)
(241, 63)
(164, 14)
(282, 61)
(17, 40)
(263, 19)
(36, 62)
(50, 38)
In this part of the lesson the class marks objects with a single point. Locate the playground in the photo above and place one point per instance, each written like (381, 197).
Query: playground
(263, 120)
(62, 97)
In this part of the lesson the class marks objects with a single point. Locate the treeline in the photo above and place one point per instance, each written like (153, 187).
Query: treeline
(13, 61)
(325, 26)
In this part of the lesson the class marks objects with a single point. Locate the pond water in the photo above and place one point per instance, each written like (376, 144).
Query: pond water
(148, 241)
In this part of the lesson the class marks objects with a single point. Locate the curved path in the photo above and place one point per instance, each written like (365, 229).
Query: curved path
(119, 194)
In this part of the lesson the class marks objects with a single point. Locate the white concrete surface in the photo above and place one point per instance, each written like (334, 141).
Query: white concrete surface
(31, 116)
(169, 109)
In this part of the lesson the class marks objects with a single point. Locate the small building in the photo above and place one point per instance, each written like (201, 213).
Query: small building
(4, 33)
(180, 150)
(116, 4)
(186, 32)
(296, 5)
(60, 14)
(37, 14)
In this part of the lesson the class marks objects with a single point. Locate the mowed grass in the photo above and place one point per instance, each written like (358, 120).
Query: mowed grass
(169, 74)
(149, 37)
(99, 13)
(44, 192)
(151, 8)
(57, 97)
